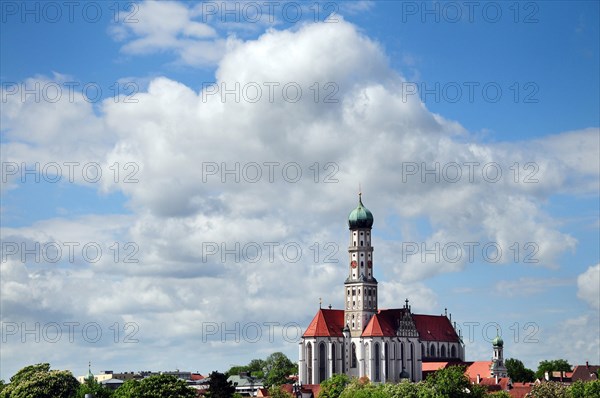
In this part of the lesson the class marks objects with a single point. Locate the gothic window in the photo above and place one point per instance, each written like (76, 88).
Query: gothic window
(453, 352)
(412, 361)
(385, 360)
(309, 361)
(423, 352)
(377, 363)
(443, 351)
(353, 356)
(333, 358)
(402, 354)
(432, 350)
(322, 362)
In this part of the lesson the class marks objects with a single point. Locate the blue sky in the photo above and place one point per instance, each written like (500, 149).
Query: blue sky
(543, 56)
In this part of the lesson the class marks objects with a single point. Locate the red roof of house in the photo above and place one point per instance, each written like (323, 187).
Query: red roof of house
(520, 390)
(435, 328)
(433, 366)
(197, 376)
(585, 372)
(481, 368)
(327, 323)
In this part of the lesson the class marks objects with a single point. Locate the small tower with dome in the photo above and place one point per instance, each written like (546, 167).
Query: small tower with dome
(498, 368)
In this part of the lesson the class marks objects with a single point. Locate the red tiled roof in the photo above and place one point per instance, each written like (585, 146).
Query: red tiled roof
(327, 323)
(383, 323)
(585, 372)
(435, 328)
(481, 368)
(433, 366)
(520, 390)
(197, 376)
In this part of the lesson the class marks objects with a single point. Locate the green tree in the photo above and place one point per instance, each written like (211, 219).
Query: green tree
(277, 369)
(236, 370)
(549, 390)
(38, 381)
(500, 394)
(552, 366)
(257, 368)
(95, 388)
(518, 372)
(333, 387)
(577, 389)
(158, 386)
(404, 389)
(362, 388)
(592, 389)
(127, 390)
(277, 392)
(450, 382)
(2, 385)
(219, 387)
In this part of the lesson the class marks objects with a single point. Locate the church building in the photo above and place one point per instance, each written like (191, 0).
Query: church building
(385, 345)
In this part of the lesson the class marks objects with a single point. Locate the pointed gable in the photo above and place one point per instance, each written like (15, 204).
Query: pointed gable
(435, 328)
(327, 323)
(382, 324)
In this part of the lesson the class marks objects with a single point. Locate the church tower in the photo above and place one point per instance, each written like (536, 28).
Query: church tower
(498, 368)
(360, 288)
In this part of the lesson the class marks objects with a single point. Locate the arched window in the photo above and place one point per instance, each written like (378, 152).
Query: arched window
(333, 358)
(402, 354)
(377, 362)
(412, 362)
(453, 352)
(322, 362)
(432, 350)
(309, 362)
(353, 356)
(423, 352)
(386, 359)
(443, 351)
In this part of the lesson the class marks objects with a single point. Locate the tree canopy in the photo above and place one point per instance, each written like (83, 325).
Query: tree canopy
(277, 369)
(552, 366)
(157, 386)
(219, 387)
(38, 381)
(518, 372)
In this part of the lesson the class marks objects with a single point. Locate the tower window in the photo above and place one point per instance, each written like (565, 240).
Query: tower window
(361, 243)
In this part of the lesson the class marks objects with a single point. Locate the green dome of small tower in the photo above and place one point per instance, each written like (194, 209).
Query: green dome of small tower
(360, 217)
(498, 342)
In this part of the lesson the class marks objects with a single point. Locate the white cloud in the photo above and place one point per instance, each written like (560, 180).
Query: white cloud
(367, 136)
(528, 286)
(588, 285)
